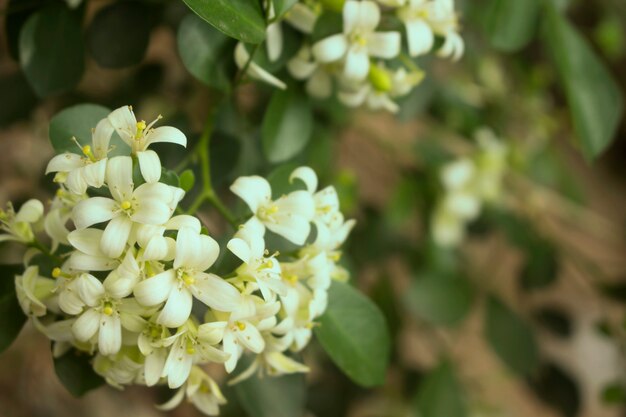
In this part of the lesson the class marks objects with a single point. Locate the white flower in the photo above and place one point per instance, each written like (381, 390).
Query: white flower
(88, 256)
(301, 17)
(151, 342)
(249, 246)
(289, 216)
(138, 135)
(195, 253)
(55, 222)
(242, 58)
(120, 369)
(302, 66)
(201, 390)
(150, 203)
(32, 290)
(86, 170)
(18, 226)
(358, 41)
(273, 34)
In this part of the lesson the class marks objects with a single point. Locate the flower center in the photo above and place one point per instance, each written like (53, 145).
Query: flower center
(108, 308)
(266, 212)
(240, 325)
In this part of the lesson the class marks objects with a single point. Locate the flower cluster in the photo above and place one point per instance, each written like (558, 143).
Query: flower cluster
(131, 284)
(468, 183)
(362, 59)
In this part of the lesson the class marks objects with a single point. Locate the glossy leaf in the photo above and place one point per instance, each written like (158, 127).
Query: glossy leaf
(205, 51)
(272, 396)
(51, 50)
(239, 19)
(75, 372)
(282, 6)
(78, 121)
(12, 317)
(287, 125)
(440, 394)
(354, 334)
(511, 24)
(510, 337)
(594, 98)
(119, 34)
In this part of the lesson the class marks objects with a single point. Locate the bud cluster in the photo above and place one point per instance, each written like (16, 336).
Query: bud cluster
(131, 282)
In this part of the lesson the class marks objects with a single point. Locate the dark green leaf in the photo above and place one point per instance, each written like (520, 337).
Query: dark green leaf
(287, 125)
(593, 96)
(51, 50)
(354, 334)
(16, 90)
(282, 6)
(239, 19)
(75, 372)
(440, 394)
(615, 291)
(439, 299)
(169, 177)
(205, 52)
(554, 320)
(78, 121)
(12, 317)
(17, 13)
(272, 396)
(541, 267)
(329, 23)
(614, 393)
(510, 337)
(556, 388)
(225, 154)
(119, 34)
(187, 179)
(511, 24)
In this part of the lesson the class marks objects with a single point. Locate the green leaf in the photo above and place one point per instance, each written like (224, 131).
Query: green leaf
(119, 34)
(169, 177)
(439, 299)
(51, 50)
(541, 267)
(17, 13)
(327, 24)
(287, 125)
(282, 6)
(16, 90)
(187, 179)
(272, 396)
(239, 19)
(354, 334)
(440, 395)
(12, 318)
(75, 372)
(511, 24)
(593, 96)
(555, 387)
(205, 52)
(614, 393)
(614, 291)
(78, 121)
(510, 337)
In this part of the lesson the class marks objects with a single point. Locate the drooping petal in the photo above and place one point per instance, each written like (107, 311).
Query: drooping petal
(115, 236)
(240, 249)
(385, 45)
(167, 134)
(86, 325)
(177, 366)
(120, 177)
(65, 162)
(296, 229)
(215, 292)
(183, 220)
(274, 40)
(92, 211)
(177, 308)
(242, 56)
(172, 402)
(231, 347)
(110, 334)
(150, 165)
(307, 176)
(330, 49)
(254, 190)
(101, 137)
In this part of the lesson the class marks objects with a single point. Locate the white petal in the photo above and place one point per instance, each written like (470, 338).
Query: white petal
(166, 134)
(274, 40)
(357, 64)
(296, 229)
(151, 211)
(82, 262)
(172, 402)
(419, 36)
(301, 17)
(215, 292)
(65, 162)
(155, 290)
(94, 173)
(157, 249)
(301, 69)
(240, 249)
(92, 211)
(150, 165)
(110, 334)
(362, 16)
(331, 48)
(125, 123)
(30, 212)
(177, 308)
(177, 367)
(89, 289)
(183, 220)
(101, 137)
(306, 175)
(212, 333)
(209, 251)
(70, 303)
(254, 70)
(251, 338)
(384, 45)
(153, 367)
(254, 190)
(75, 182)
(86, 325)
(115, 236)
(86, 240)
(120, 177)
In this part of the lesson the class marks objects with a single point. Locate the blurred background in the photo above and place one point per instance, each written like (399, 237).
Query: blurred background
(524, 318)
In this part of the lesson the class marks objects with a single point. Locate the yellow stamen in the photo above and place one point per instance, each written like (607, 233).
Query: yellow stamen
(190, 347)
(87, 151)
(292, 278)
(335, 256)
(241, 325)
(108, 310)
(56, 272)
(141, 126)
(188, 280)
(125, 205)
(60, 192)
(269, 264)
